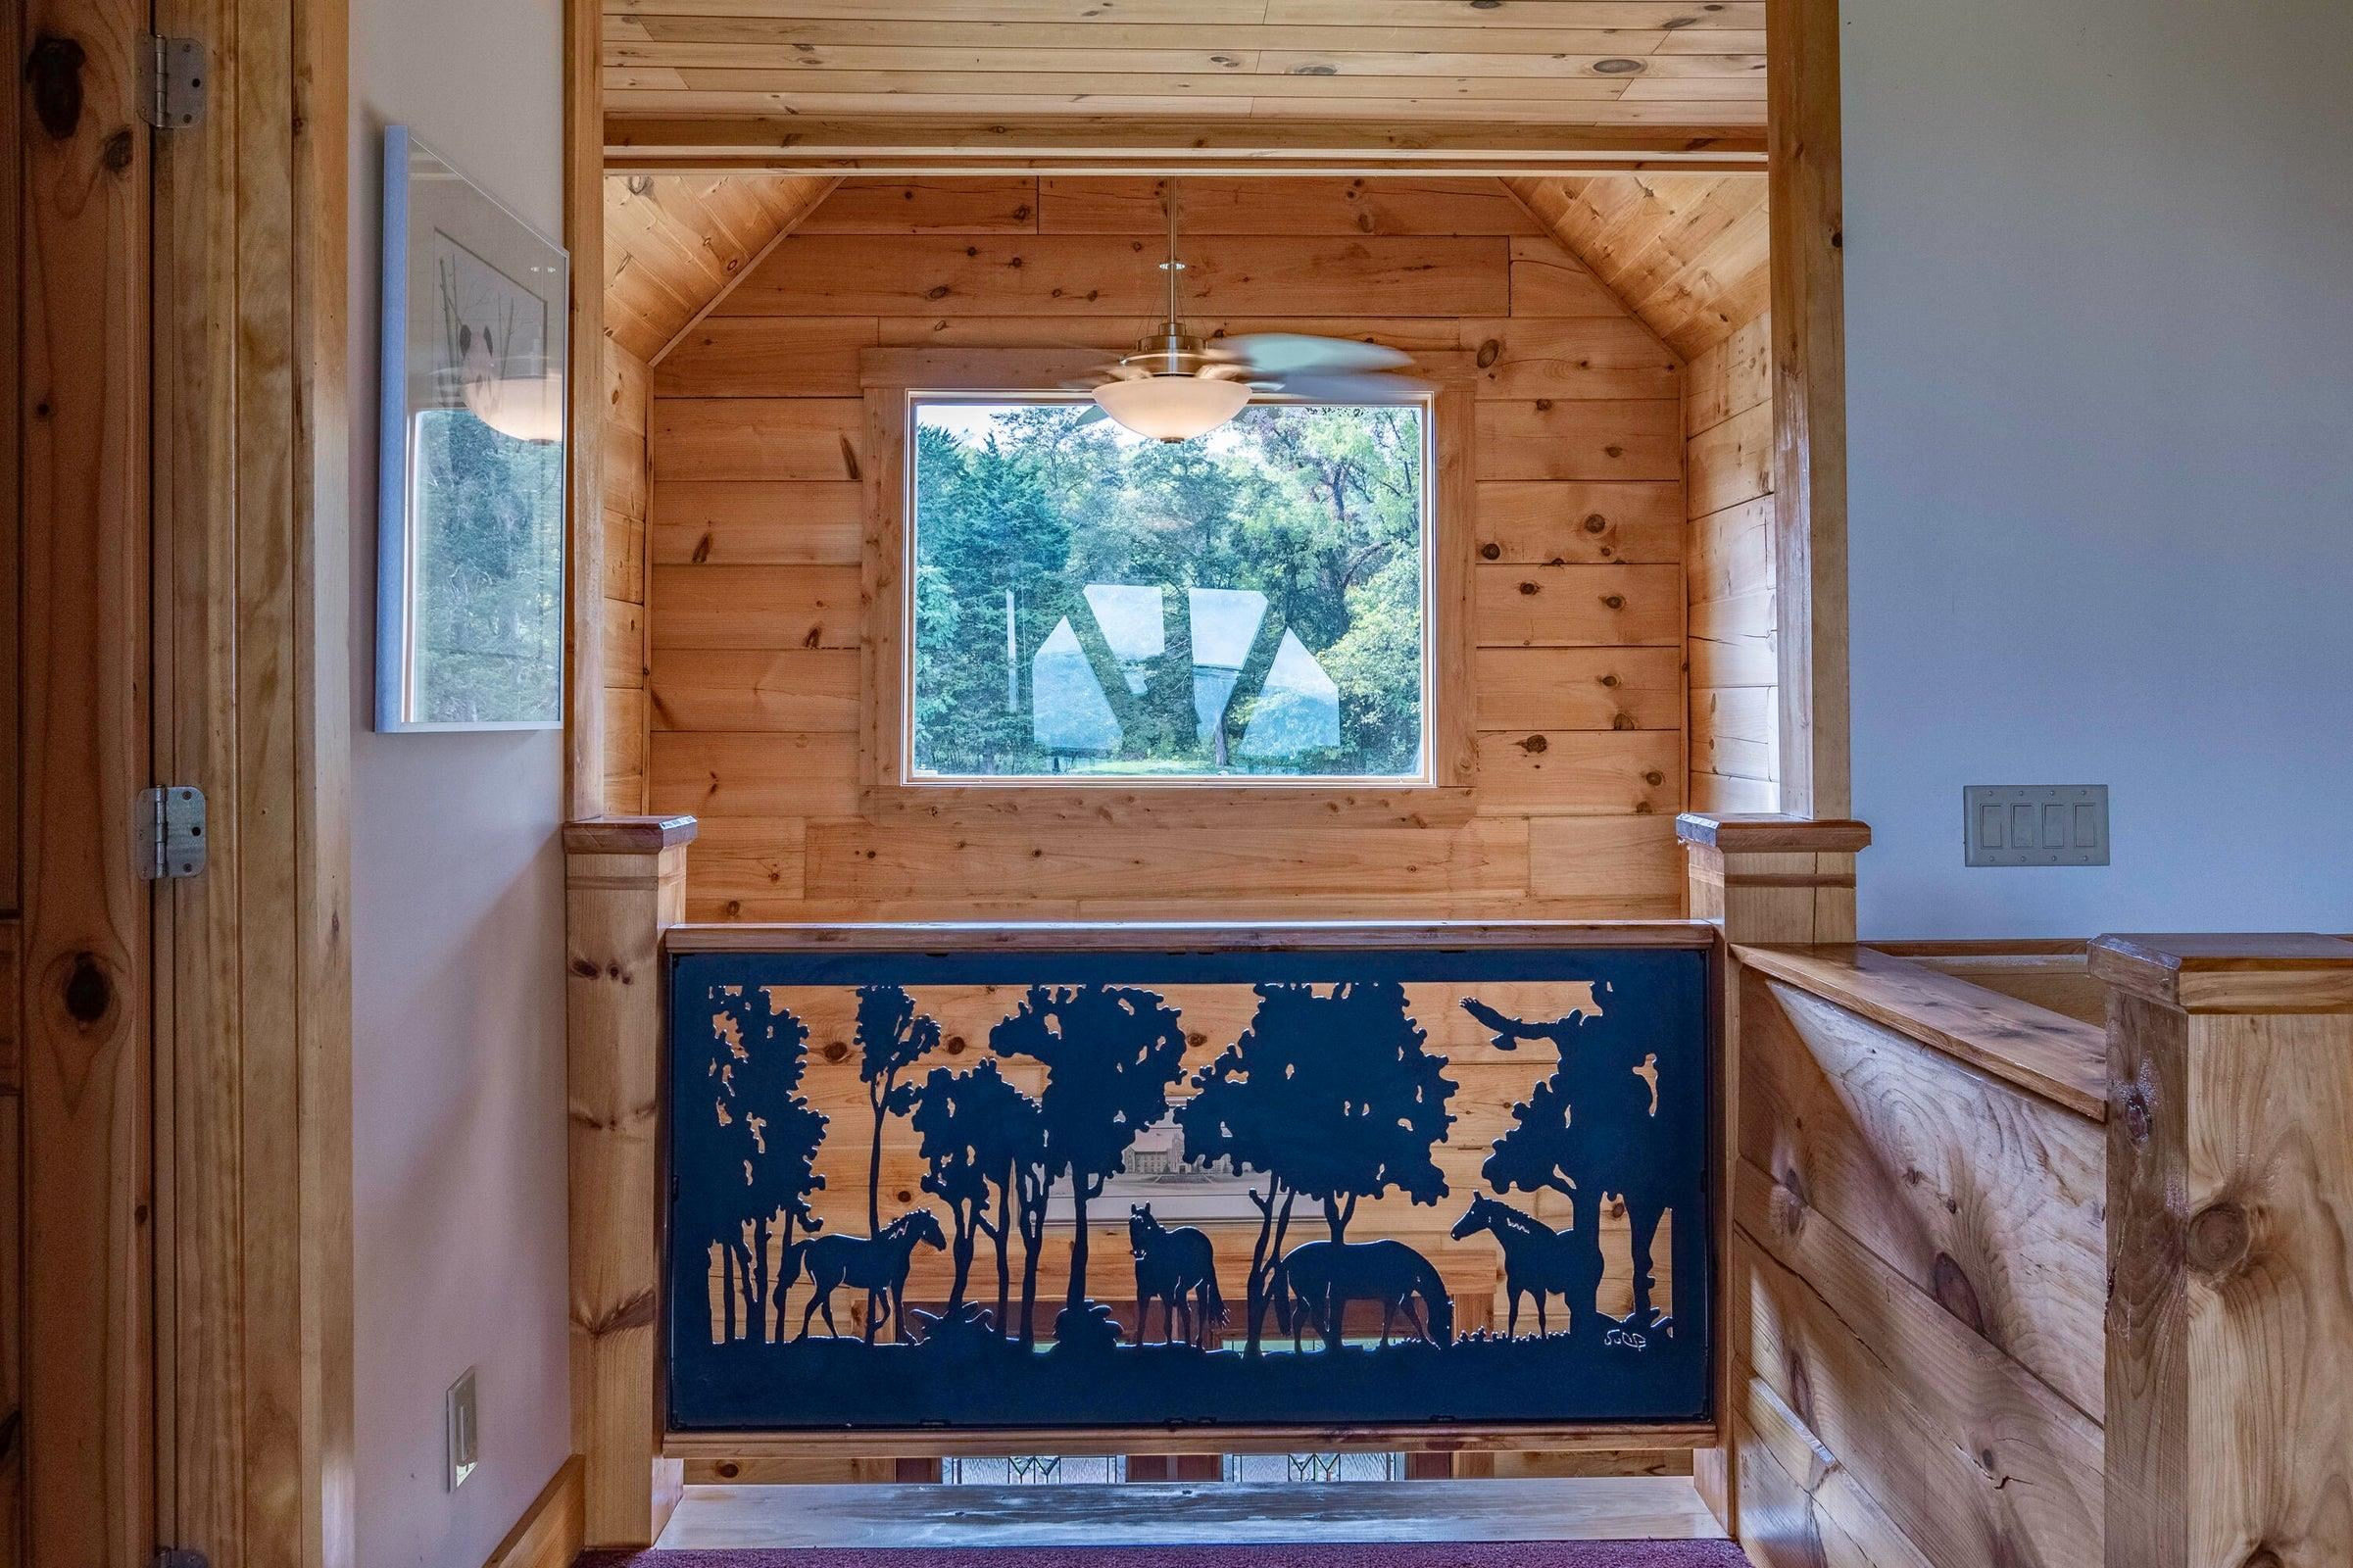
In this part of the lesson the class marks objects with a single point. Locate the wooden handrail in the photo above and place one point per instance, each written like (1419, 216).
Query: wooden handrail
(1158, 936)
(2041, 1052)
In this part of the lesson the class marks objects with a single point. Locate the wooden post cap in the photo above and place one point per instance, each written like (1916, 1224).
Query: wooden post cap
(2292, 971)
(1768, 832)
(628, 835)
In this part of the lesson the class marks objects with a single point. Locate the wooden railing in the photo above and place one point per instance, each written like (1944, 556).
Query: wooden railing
(2011, 1286)
(2012, 1274)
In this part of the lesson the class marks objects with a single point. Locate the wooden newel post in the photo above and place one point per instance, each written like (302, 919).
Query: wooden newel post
(2230, 1326)
(624, 884)
(1770, 881)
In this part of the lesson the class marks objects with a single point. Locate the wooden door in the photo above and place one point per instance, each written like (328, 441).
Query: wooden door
(86, 1485)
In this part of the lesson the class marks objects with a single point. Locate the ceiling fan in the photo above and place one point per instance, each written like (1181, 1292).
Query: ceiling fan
(1175, 388)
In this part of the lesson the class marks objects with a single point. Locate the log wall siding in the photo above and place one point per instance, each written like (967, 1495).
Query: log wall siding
(1729, 573)
(623, 588)
(756, 527)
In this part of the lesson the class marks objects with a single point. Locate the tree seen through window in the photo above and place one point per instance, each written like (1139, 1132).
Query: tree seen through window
(1086, 602)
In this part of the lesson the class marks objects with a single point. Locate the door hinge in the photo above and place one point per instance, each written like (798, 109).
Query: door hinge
(172, 76)
(182, 1558)
(171, 832)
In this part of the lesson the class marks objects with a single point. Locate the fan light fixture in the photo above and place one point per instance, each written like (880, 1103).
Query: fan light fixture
(1168, 389)
(525, 408)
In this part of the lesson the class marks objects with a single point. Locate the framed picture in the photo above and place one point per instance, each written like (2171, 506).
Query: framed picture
(470, 591)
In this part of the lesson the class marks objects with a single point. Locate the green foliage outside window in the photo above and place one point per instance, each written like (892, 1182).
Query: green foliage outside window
(1089, 603)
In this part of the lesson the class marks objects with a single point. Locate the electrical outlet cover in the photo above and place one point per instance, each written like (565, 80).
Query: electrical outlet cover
(461, 1422)
(2034, 824)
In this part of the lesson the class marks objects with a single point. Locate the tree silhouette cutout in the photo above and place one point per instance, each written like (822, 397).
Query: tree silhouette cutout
(1336, 1098)
(769, 1135)
(1585, 1131)
(891, 1037)
(968, 1127)
(1111, 1054)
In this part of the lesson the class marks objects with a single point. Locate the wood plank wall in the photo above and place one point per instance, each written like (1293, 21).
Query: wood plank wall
(628, 385)
(1728, 421)
(1690, 256)
(756, 527)
(1919, 1282)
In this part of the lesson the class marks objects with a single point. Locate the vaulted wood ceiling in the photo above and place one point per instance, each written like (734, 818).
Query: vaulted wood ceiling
(1689, 254)
(865, 75)
(675, 243)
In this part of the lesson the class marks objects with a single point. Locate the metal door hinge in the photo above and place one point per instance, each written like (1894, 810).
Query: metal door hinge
(171, 90)
(171, 832)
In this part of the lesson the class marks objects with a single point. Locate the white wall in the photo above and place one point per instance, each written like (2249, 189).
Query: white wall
(2100, 321)
(457, 910)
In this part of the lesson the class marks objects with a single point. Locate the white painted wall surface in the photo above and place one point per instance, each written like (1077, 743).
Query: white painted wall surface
(456, 909)
(2100, 321)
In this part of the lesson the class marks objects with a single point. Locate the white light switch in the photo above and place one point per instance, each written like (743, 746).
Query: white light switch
(2034, 824)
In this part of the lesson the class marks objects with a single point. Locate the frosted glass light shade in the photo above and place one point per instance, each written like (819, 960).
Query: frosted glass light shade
(1173, 408)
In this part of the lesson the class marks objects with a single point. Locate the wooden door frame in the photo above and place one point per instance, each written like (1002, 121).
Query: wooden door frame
(186, 1044)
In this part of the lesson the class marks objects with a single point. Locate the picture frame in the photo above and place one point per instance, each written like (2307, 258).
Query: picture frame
(471, 488)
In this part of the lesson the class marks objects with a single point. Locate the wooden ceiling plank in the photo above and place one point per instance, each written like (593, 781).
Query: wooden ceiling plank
(891, 88)
(819, 36)
(1226, 206)
(946, 206)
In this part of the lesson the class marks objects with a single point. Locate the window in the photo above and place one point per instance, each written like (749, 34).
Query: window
(1086, 604)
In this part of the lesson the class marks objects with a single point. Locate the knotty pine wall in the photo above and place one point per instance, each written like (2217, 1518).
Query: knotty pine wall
(628, 384)
(1727, 415)
(756, 518)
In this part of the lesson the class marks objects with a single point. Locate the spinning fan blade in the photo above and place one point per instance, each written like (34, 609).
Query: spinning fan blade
(1350, 388)
(1297, 352)
(1091, 417)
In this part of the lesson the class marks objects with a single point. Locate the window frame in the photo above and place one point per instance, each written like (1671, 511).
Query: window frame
(896, 379)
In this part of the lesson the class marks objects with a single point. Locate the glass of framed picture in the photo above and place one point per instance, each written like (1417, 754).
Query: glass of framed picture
(469, 592)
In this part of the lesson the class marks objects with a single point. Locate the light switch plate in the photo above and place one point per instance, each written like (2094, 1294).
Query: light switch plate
(461, 1423)
(2034, 824)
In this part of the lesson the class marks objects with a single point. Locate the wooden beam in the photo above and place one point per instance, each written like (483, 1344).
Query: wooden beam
(1122, 145)
(584, 491)
(1809, 378)
(626, 884)
(1762, 880)
(2229, 1218)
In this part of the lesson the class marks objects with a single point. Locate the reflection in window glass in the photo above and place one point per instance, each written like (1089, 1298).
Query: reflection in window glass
(488, 519)
(1034, 1470)
(1314, 1467)
(1088, 603)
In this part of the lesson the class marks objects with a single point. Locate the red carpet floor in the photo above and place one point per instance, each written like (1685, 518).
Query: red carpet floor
(1483, 1554)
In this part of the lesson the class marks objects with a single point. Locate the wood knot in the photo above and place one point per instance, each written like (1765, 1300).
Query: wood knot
(1614, 601)
(88, 992)
(956, 1045)
(1530, 588)
(905, 1197)
(1195, 1040)
(1491, 551)
(1489, 351)
(1955, 1294)
(1654, 778)
(2136, 1113)
(1614, 452)
(1543, 404)
(53, 71)
(835, 1050)
(2219, 1239)
(1536, 743)
(585, 968)
(1595, 523)
(1609, 680)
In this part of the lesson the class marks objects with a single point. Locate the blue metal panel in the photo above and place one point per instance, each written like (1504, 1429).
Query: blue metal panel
(1331, 1096)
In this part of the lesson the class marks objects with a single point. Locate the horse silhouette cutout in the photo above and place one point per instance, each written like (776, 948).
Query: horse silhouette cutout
(878, 1265)
(1324, 1277)
(1537, 1261)
(1177, 1268)
(1609, 1142)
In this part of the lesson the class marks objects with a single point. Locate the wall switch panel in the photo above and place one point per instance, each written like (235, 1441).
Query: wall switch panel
(2035, 824)
(463, 1424)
